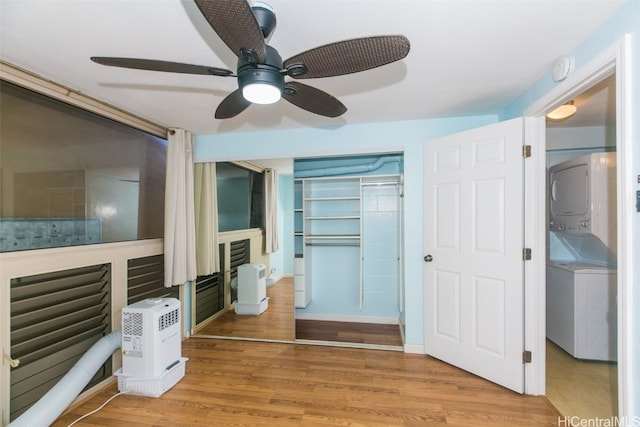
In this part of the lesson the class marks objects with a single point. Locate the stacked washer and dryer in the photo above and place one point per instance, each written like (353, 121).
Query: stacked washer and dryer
(581, 269)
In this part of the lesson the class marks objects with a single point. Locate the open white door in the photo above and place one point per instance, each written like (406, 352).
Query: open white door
(473, 242)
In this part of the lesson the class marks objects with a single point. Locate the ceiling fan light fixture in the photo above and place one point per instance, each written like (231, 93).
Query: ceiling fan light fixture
(563, 112)
(261, 93)
(261, 83)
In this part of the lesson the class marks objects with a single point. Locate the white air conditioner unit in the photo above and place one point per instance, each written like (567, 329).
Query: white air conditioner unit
(151, 347)
(252, 289)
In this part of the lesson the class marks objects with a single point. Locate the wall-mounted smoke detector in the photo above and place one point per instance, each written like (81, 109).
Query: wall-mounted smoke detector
(563, 67)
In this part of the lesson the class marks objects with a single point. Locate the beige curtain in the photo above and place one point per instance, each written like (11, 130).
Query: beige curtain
(179, 219)
(206, 212)
(271, 210)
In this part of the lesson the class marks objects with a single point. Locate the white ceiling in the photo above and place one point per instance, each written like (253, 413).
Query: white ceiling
(466, 58)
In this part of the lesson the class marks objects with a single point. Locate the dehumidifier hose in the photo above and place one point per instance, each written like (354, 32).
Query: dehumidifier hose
(46, 410)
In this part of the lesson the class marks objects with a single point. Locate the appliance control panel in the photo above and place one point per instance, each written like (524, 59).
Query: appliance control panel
(572, 225)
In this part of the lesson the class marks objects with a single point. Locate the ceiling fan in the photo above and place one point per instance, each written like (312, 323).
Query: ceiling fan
(261, 71)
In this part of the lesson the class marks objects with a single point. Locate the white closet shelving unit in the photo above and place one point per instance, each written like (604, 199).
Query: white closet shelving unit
(331, 212)
(302, 287)
(328, 213)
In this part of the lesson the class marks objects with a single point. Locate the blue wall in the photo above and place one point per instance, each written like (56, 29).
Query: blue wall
(407, 137)
(626, 21)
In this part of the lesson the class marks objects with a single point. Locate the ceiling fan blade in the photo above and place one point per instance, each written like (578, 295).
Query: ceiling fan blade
(232, 105)
(313, 100)
(236, 25)
(350, 56)
(154, 65)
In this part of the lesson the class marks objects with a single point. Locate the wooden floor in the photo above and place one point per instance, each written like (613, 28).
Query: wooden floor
(275, 323)
(586, 389)
(349, 332)
(246, 383)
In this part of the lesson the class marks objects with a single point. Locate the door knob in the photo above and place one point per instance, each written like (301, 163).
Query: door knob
(428, 258)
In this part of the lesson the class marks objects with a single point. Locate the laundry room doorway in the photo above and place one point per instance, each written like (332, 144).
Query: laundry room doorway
(581, 273)
(613, 61)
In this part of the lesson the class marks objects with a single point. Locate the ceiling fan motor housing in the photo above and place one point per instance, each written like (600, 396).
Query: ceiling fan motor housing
(268, 73)
(265, 17)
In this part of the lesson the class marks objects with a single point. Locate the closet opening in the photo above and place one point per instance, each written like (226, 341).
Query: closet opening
(348, 285)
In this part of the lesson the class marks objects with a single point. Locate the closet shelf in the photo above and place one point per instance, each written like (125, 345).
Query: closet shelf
(352, 243)
(318, 199)
(332, 217)
(331, 236)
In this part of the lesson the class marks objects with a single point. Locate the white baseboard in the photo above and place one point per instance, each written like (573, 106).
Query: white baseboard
(276, 277)
(347, 318)
(414, 348)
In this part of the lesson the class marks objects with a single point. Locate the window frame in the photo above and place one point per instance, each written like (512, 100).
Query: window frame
(74, 99)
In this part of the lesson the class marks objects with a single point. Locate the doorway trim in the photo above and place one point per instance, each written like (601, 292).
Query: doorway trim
(614, 60)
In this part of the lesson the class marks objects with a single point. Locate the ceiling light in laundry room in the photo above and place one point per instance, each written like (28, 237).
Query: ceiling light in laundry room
(563, 112)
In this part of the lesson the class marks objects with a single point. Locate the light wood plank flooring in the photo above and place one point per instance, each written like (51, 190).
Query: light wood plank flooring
(247, 383)
(587, 389)
(275, 323)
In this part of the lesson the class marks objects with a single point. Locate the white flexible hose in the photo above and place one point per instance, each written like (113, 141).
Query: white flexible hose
(46, 410)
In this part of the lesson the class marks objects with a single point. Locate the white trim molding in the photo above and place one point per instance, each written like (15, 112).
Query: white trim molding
(414, 349)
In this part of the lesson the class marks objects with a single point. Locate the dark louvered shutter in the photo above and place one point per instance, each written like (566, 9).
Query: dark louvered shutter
(240, 254)
(145, 279)
(55, 318)
(210, 292)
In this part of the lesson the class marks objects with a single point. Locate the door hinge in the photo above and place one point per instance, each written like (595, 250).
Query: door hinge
(526, 254)
(526, 151)
(526, 356)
